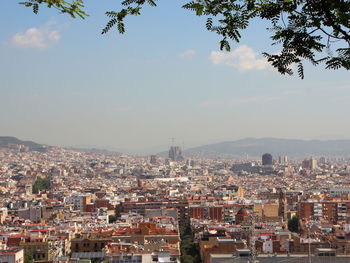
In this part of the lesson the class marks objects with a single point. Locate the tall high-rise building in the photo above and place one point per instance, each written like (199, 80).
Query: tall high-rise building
(313, 163)
(175, 154)
(283, 159)
(309, 164)
(267, 159)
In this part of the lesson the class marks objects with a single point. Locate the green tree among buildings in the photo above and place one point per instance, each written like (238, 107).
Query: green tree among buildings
(189, 250)
(41, 184)
(293, 224)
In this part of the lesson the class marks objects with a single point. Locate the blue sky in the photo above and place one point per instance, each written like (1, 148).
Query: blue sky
(63, 83)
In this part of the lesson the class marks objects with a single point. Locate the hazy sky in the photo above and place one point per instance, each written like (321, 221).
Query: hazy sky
(63, 83)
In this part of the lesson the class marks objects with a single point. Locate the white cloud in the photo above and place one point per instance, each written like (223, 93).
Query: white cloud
(188, 54)
(256, 99)
(242, 58)
(39, 37)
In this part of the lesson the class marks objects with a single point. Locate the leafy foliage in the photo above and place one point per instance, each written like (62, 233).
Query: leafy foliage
(189, 250)
(312, 30)
(73, 8)
(133, 7)
(41, 184)
(112, 219)
(28, 256)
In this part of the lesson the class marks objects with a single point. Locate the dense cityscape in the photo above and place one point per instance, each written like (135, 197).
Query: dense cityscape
(64, 205)
(193, 131)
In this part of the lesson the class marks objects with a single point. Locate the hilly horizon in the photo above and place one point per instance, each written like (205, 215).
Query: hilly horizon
(251, 147)
(255, 147)
(9, 141)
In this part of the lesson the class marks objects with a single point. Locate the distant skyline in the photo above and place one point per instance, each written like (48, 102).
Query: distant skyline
(231, 147)
(63, 83)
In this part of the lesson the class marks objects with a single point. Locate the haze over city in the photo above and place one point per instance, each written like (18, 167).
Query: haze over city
(63, 83)
(141, 132)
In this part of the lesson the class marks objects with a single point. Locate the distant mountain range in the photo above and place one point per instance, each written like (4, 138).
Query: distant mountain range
(12, 142)
(256, 147)
(251, 147)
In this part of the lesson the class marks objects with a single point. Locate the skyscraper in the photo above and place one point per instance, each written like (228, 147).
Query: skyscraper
(313, 163)
(283, 159)
(309, 164)
(267, 159)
